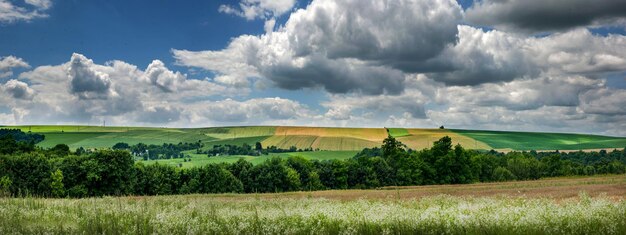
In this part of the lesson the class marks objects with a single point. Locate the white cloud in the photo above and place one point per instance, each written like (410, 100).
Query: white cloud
(262, 9)
(85, 79)
(10, 13)
(605, 101)
(18, 89)
(82, 91)
(40, 4)
(8, 63)
(255, 110)
(494, 56)
(341, 46)
(157, 74)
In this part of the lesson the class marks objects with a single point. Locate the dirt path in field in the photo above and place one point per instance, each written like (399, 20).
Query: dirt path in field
(611, 186)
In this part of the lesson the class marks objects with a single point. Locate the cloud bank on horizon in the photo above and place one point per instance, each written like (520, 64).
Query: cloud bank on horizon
(549, 65)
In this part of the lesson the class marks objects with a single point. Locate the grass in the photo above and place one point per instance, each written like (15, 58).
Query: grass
(310, 213)
(398, 132)
(202, 159)
(543, 141)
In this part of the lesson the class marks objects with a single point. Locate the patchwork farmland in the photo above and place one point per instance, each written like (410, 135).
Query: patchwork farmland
(318, 138)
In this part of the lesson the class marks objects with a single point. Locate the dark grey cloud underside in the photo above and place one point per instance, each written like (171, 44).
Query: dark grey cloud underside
(544, 15)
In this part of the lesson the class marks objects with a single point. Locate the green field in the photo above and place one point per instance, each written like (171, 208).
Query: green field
(589, 205)
(322, 138)
(202, 159)
(398, 132)
(543, 141)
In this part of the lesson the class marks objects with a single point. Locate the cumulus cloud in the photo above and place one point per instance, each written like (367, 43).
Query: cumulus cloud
(86, 81)
(83, 91)
(8, 63)
(18, 89)
(494, 56)
(605, 101)
(341, 46)
(579, 52)
(482, 57)
(263, 9)
(157, 74)
(526, 94)
(157, 115)
(10, 13)
(532, 16)
(254, 110)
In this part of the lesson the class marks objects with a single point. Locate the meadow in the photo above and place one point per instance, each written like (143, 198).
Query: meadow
(202, 159)
(593, 205)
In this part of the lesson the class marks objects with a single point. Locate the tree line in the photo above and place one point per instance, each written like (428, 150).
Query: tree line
(246, 149)
(58, 172)
(154, 152)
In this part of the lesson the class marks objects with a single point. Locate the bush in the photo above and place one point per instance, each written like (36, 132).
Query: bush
(502, 174)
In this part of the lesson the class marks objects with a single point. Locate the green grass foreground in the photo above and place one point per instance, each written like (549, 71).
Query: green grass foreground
(231, 214)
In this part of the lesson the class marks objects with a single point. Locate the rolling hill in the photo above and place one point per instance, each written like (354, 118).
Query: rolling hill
(322, 138)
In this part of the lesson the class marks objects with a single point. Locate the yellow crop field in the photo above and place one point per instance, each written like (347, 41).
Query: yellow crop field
(424, 138)
(370, 134)
(318, 142)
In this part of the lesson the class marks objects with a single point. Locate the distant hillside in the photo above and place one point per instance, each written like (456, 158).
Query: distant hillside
(323, 138)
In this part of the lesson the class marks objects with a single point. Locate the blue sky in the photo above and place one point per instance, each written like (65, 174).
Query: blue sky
(133, 31)
(474, 65)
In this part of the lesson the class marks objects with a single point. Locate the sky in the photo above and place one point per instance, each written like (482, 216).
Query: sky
(520, 65)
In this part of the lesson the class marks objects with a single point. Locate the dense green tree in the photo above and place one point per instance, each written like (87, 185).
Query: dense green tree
(524, 167)
(29, 173)
(212, 178)
(333, 173)
(409, 171)
(114, 173)
(121, 146)
(60, 150)
(56, 186)
(241, 170)
(483, 167)
(309, 178)
(155, 179)
(502, 174)
(273, 175)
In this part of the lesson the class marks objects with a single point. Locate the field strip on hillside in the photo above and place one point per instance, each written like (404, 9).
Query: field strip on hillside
(370, 134)
(239, 132)
(543, 141)
(423, 138)
(319, 142)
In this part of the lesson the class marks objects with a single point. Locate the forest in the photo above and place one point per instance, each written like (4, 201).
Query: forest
(26, 170)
